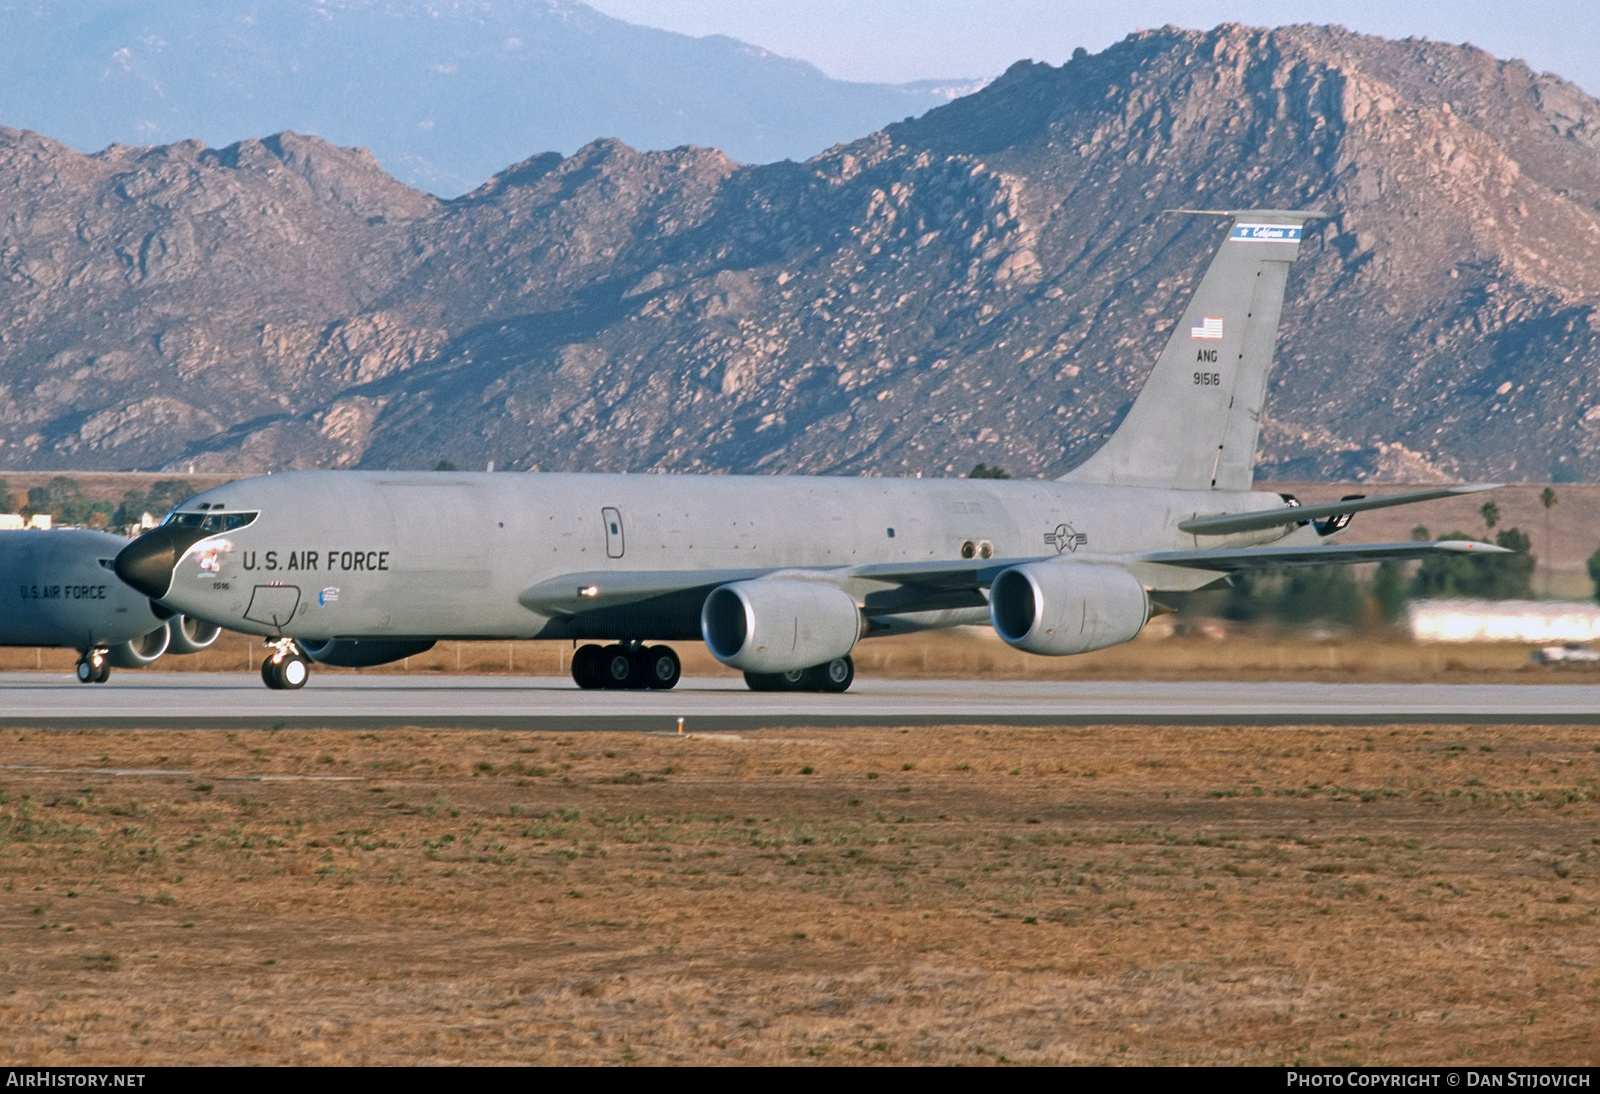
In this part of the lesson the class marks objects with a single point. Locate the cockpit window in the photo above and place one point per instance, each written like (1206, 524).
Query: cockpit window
(211, 522)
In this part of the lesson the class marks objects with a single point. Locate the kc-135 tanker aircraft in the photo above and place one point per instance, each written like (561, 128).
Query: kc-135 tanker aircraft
(782, 575)
(58, 590)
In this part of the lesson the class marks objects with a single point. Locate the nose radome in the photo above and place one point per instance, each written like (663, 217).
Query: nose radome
(147, 562)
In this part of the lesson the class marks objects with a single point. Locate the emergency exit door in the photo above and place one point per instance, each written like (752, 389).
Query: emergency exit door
(612, 519)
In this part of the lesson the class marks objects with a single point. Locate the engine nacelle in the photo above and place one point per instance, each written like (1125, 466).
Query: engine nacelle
(191, 635)
(352, 653)
(1058, 608)
(774, 625)
(139, 652)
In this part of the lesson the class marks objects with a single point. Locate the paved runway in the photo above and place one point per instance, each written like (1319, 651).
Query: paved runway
(238, 700)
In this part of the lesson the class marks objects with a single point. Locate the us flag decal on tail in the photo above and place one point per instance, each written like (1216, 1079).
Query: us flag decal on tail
(1210, 327)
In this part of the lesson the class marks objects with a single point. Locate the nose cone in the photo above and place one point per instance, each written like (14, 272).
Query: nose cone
(147, 562)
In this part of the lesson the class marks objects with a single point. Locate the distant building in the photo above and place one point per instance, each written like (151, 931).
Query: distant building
(14, 521)
(1504, 621)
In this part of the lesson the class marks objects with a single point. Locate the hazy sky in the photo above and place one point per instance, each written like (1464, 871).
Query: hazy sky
(898, 40)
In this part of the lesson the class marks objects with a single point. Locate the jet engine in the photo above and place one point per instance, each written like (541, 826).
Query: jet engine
(772, 625)
(353, 653)
(191, 635)
(139, 652)
(1059, 608)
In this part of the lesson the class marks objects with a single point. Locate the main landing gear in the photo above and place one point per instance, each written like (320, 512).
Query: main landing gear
(626, 665)
(93, 668)
(835, 676)
(286, 667)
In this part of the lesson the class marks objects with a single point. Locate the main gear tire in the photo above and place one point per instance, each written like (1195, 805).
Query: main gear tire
(762, 681)
(619, 670)
(662, 669)
(837, 675)
(586, 667)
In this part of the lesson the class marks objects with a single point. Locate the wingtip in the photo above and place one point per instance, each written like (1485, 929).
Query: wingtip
(1471, 547)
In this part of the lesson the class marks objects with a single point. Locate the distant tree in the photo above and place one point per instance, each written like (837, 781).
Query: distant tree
(1320, 593)
(1547, 498)
(1510, 577)
(984, 471)
(5, 494)
(1491, 514)
(1389, 590)
(63, 499)
(1420, 533)
(1594, 572)
(445, 465)
(133, 505)
(165, 495)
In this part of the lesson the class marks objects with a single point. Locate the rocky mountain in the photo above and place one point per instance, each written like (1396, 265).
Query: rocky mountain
(989, 282)
(444, 93)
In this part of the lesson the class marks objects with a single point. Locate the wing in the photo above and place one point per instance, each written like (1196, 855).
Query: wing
(928, 586)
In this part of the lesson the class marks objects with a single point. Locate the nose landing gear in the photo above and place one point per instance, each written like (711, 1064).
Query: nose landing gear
(626, 665)
(93, 668)
(286, 668)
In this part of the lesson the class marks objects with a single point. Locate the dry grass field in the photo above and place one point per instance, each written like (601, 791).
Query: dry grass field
(1398, 895)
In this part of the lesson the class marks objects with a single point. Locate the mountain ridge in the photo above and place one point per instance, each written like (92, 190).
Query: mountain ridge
(988, 282)
(445, 94)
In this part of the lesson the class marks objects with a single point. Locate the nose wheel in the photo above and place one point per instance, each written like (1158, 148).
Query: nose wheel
(625, 666)
(93, 668)
(286, 668)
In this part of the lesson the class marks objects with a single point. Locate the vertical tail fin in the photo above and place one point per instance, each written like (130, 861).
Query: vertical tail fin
(1195, 424)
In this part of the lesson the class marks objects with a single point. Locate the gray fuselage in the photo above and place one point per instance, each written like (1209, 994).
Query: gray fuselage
(343, 554)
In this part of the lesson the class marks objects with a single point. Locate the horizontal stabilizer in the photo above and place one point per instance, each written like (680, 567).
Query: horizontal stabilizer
(1227, 523)
(1231, 559)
